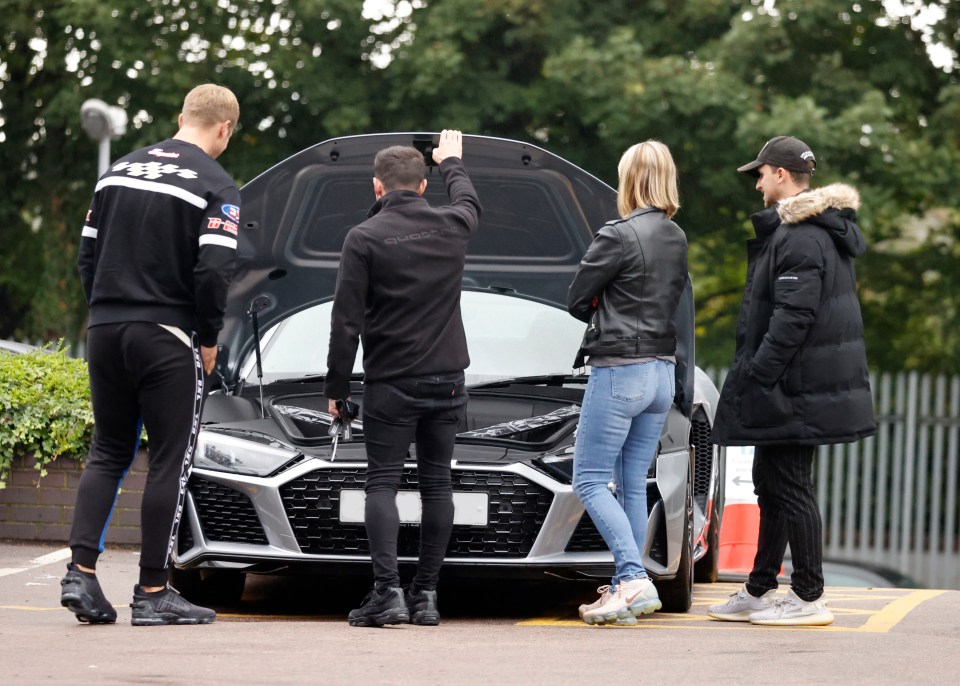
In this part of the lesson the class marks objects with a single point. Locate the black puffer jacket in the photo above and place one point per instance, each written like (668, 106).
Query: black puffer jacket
(628, 286)
(799, 374)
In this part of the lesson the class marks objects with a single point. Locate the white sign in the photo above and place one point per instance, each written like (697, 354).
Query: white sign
(739, 484)
(469, 509)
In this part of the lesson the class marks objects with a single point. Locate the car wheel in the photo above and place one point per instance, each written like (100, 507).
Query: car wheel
(209, 586)
(707, 567)
(677, 594)
(705, 570)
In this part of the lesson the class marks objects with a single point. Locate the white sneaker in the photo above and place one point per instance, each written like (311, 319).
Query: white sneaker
(632, 598)
(792, 611)
(605, 595)
(640, 596)
(741, 605)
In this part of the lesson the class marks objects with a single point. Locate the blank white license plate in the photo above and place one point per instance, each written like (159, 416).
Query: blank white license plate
(469, 509)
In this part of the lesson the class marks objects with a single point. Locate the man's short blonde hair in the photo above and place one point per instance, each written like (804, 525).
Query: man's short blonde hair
(648, 178)
(209, 105)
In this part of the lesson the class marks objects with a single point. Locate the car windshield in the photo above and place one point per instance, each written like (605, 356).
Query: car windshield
(507, 336)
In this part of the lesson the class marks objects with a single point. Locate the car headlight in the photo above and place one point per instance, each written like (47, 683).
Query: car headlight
(559, 466)
(224, 453)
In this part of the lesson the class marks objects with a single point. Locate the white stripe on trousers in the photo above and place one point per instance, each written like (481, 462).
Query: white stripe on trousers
(187, 464)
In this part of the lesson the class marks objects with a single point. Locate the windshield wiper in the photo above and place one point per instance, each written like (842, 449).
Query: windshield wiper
(547, 379)
(299, 379)
(309, 378)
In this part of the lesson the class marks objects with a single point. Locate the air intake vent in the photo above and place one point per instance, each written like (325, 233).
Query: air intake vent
(516, 511)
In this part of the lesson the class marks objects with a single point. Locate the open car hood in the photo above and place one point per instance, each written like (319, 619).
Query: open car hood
(539, 216)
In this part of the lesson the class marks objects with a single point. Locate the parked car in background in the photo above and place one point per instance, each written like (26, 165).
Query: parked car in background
(268, 494)
(15, 347)
(857, 574)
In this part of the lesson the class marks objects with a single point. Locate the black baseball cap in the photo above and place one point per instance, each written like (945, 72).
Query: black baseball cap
(783, 151)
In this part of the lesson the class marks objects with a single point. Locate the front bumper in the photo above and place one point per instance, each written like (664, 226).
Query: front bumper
(290, 522)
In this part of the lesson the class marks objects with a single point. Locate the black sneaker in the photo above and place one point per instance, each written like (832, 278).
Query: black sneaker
(379, 609)
(166, 607)
(80, 593)
(422, 606)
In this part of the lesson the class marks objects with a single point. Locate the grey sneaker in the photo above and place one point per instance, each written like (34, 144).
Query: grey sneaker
(80, 593)
(381, 608)
(792, 611)
(166, 607)
(741, 605)
(422, 607)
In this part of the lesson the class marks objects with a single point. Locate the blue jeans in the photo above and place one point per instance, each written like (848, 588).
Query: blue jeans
(623, 413)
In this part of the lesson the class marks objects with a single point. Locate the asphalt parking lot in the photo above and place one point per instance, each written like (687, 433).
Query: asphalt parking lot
(293, 631)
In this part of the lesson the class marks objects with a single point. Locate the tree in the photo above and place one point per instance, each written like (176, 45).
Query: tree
(713, 79)
(145, 56)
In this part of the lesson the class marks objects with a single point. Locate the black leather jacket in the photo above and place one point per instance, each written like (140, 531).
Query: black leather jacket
(628, 286)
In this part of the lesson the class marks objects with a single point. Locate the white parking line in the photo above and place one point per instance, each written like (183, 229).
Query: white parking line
(12, 570)
(49, 558)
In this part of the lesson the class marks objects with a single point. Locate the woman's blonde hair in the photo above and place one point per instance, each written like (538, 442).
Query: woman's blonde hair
(648, 178)
(209, 105)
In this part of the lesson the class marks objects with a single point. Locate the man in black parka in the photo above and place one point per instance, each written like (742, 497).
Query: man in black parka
(799, 376)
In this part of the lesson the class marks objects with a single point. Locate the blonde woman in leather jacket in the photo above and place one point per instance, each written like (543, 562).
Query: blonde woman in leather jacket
(627, 289)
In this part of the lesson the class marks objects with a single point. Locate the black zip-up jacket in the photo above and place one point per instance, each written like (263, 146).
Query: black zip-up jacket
(160, 240)
(628, 286)
(398, 287)
(799, 373)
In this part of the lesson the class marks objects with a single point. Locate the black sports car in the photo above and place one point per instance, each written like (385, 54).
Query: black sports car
(269, 494)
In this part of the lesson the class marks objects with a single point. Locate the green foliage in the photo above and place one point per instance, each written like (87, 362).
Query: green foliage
(713, 79)
(44, 408)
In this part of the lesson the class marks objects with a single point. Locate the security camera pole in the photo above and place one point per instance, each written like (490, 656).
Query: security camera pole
(103, 122)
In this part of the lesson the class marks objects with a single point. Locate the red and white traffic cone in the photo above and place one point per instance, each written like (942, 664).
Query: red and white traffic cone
(741, 514)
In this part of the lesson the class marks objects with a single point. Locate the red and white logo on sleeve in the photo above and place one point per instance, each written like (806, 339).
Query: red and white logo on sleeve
(218, 223)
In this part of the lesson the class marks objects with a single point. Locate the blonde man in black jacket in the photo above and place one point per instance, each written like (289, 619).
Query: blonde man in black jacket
(799, 376)
(156, 258)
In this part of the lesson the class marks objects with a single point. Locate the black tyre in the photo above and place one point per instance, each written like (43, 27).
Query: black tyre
(677, 594)
(706, 568)
(209, 586)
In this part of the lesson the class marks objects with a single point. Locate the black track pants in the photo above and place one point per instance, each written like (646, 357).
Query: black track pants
(396, 413)
(783, 481)
(139, 372)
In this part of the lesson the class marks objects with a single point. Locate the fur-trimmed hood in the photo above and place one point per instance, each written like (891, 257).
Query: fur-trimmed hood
(833, 208)
(810, 203)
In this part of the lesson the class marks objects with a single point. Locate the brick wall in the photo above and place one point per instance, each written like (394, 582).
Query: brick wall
(41, 509)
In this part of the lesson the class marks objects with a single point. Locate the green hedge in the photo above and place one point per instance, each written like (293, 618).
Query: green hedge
(44, 408)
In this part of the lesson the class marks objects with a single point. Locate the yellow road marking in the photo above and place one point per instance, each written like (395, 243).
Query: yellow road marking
(896, 608)
(890, 616)
(897, 605)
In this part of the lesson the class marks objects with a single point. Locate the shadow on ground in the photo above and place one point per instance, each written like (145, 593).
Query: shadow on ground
(299, 596)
